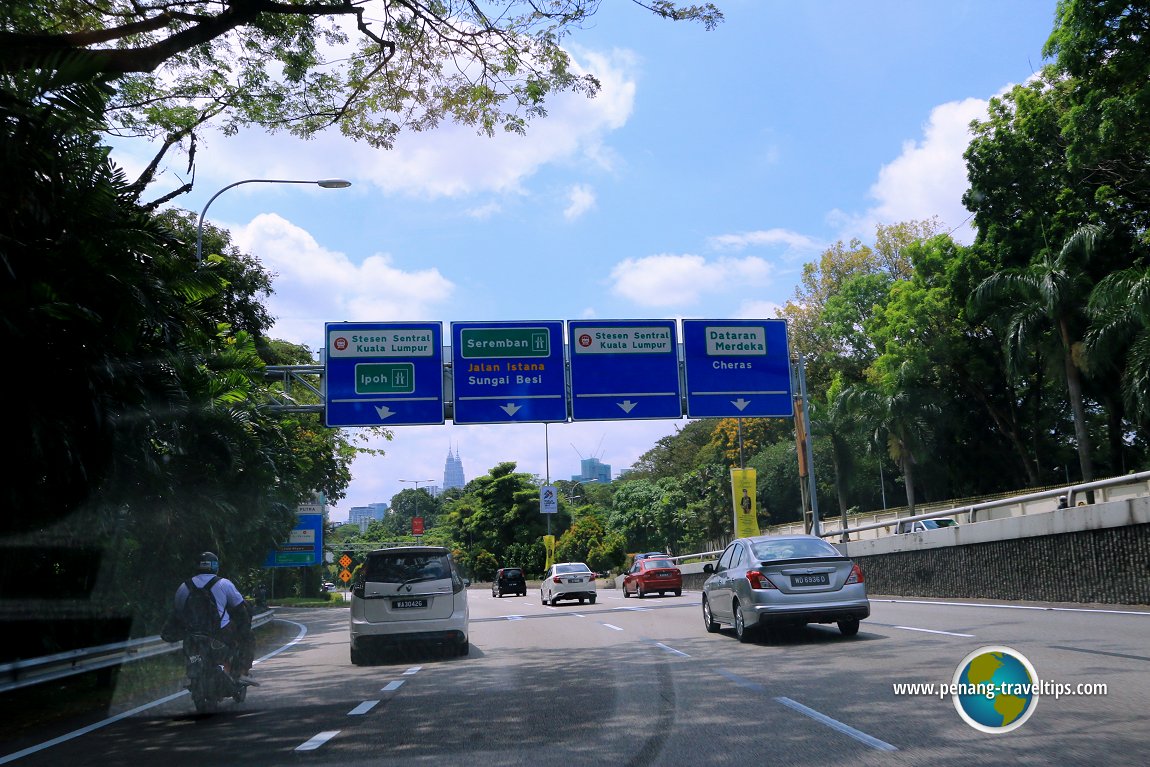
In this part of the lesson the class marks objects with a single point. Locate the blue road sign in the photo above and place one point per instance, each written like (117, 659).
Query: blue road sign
(383, 373)
(622, 370)
(508, 372)
(737, 369)
(304, 545)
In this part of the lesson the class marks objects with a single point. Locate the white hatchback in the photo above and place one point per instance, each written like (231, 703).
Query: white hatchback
(568, 580)
(408, 594)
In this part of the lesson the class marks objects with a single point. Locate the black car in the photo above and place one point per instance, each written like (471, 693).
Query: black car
(509, 580)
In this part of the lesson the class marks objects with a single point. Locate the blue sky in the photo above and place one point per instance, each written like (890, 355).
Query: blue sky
(710, 168)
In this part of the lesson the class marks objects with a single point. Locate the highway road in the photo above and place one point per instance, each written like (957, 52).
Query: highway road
(640, 683)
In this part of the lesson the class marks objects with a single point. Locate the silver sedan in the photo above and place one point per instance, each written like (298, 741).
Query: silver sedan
(782, 580)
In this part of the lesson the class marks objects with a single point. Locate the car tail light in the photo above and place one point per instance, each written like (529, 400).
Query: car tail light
(557, 579)
(759, 580)
(856, 575)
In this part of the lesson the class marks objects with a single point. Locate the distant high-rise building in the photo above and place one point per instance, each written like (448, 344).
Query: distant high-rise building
(593, 470)
(365, 515)
(453, 471)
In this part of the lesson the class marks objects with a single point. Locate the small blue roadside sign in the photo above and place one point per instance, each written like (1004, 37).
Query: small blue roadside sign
(737, 369)
(624, 370)
(508, 372)
(383, 373)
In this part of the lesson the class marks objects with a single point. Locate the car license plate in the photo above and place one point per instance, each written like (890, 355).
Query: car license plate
(663, 575)
(817, 579)
(407, 604)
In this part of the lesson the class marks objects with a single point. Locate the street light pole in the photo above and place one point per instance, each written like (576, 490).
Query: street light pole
(417, 483)
(326, 183)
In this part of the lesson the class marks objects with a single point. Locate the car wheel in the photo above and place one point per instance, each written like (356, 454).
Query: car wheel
(582, 600)
(709, 621)
(464, 647)
(849, 627)
(678, 592)
(626, 594)
(358, 658)
(742, 630)
(591, 599)
(542, 598)
(639, 594)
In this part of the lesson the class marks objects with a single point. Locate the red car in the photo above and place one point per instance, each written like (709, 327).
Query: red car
(651, 575)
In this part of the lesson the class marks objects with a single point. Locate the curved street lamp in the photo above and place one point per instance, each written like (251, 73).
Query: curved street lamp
(326, 183)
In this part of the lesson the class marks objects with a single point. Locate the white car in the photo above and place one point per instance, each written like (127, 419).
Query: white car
(408, 594)
(568, 580)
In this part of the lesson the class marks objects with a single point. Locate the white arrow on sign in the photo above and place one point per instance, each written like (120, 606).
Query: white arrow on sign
(510, 408)
(627, 405)
(741, 403)
(384, 412)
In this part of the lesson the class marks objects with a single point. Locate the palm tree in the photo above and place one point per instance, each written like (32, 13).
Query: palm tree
(835, 419)
(1045, 297)
(901, 420)
(1119, 335)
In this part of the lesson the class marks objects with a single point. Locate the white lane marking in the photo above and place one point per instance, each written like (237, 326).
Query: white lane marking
(317, 741)
(1145, 614)
(934, 631)
(672, 650)
(413, 670)
(612, 626)
(835, 724)
(125, 714)
(579, 615)
(363, 708)
(632, 609)
(392, 686)
(85, 730)
(515, 617)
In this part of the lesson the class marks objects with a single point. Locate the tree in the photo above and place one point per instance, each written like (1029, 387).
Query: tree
(1119, 336)
(372, 71)
(1103, 47)
(1043, 297)
(834, 419)
(900, 419)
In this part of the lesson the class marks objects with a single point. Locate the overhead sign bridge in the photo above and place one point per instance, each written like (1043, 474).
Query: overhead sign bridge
(400, 373)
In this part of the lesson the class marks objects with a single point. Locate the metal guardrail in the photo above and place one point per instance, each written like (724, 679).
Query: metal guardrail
(972, 510)
(24, 673)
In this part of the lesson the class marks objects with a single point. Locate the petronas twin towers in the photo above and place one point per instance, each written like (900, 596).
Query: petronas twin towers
(453, 471)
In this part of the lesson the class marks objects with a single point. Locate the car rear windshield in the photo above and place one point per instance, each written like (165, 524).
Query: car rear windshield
(512, 573)
(793, 548)
(572, 569)
(401, 567)
(653, 563)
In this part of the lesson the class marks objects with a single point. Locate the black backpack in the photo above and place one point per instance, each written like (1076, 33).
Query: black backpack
(200, 614)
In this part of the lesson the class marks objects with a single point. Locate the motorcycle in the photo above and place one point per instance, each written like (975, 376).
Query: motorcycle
(209, 682)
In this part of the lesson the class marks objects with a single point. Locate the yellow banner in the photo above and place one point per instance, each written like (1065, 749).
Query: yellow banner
(746, 504)
(549, 547)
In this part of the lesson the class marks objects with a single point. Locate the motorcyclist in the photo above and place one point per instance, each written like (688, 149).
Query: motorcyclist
(235, 627)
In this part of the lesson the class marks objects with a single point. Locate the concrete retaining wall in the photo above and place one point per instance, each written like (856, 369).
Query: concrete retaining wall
(1098, 553)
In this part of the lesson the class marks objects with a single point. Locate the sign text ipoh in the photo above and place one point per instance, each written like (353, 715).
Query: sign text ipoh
(508, 372)
(737, 369)
(384, 373)
(623, 370)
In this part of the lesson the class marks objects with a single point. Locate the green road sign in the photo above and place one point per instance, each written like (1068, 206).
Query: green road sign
(486, 343)
(384, 378)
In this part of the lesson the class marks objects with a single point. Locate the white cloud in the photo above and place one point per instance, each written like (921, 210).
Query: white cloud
(927, 179)
(754, 310)
(580, 199)
(681, 280)
(767, 237)
(314, 285)
(483, 212)
(450, 161)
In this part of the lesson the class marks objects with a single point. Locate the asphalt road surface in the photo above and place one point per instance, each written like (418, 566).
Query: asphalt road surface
(640, 683)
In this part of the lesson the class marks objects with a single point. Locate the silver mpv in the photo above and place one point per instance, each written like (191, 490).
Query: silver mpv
(408, 594)
(783, 580)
